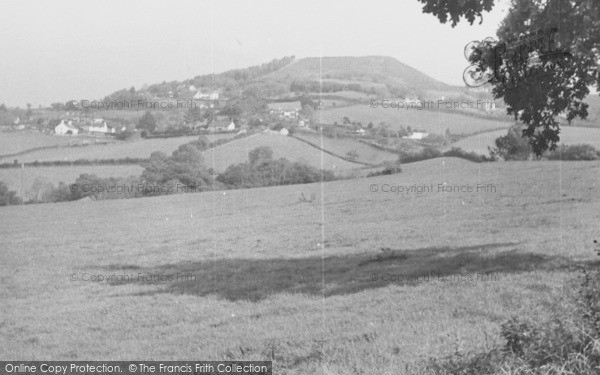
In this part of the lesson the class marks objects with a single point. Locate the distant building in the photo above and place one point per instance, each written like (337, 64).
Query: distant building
(65, 128)
(206, 96)
(416, 136)
(360, 131)
(101, 128)
(284, 131)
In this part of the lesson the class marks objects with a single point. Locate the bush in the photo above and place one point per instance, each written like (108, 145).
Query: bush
(567, 343)
(424, 154)
(573, 152)
(512, 146)
(389, 167)
(472, 156)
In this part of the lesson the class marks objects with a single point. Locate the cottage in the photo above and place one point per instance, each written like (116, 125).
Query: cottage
(101, 128)
(417, 136)
(65, 128)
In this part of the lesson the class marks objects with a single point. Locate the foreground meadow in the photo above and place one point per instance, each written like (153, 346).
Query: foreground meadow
(315, 286)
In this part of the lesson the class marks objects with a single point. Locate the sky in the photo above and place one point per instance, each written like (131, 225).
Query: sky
(55, 51)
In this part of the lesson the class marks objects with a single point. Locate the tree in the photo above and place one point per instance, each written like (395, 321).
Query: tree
(3, 107)
(543, 64)
(193, 115)
(8, 197)
(41, 190)
(260, 155)
(147, 122)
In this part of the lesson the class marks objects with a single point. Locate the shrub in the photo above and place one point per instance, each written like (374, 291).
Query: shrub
(512, 146)
(573, 152)
(567, 343)
(424, 154)
(472, 156)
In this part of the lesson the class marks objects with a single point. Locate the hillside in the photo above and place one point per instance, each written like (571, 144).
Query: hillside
(275, 276)
(369, 70)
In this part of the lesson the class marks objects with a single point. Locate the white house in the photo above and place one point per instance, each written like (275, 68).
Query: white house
(231, 127)
(192, 88)
(284, 131)
(65, 128)
(360, 131)
(207, 96)
(417, 135)
(101, 128)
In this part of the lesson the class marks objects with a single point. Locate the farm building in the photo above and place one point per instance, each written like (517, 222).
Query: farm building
(65, 128)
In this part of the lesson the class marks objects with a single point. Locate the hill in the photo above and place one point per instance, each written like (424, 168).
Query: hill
(261, 273)
(369, 71)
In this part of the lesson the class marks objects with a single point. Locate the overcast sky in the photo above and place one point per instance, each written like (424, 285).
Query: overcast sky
(62, 50)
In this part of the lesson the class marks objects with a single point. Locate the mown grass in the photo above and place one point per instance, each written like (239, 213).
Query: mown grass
(277, 277)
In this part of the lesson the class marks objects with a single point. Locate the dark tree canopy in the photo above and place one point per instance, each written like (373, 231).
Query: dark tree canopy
(544, 62)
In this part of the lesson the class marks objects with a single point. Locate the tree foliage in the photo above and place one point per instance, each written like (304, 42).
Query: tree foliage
(544, 62)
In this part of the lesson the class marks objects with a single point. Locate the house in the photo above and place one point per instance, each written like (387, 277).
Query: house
(65, 128)
(192, 88)
(284, 131)
(416, 136)
(359, 131)
(101, 128)
(206, 96)
(231, 126)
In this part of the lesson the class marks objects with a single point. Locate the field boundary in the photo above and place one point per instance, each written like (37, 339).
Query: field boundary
(332, 154)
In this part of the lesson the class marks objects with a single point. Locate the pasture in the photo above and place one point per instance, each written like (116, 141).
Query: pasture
(341, 146)
(236, 151)
(278, 278)
(13, 142)
(66, 174)
(431, 121)
(122, 149)
(569, 135)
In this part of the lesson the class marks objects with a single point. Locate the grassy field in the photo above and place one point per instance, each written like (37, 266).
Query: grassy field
(219, 158)
(134, 149)
(13, 142)
(568, 135)
(341, 146)
(306, 284)
(431, 121)
(68, 175)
